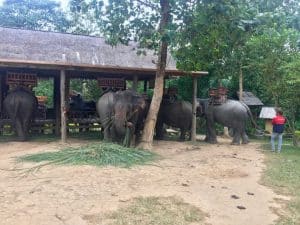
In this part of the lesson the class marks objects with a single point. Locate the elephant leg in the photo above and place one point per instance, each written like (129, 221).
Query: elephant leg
(159, 131)
(245, 139)
(190, 135)
(113, 135)
(129, 137)
(26, 126)
(182, 134)
(19, 130)
(236, 137)
(107, 135)
(211, 136)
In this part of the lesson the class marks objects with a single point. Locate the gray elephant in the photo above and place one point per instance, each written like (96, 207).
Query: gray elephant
(233, 114)
(174, 113)
(21, 105)
(119, 114)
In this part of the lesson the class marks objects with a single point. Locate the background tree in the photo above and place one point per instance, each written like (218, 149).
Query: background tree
(153, 24)
(34, 15)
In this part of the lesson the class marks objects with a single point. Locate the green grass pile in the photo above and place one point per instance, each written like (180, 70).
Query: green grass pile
(152, 210)
(283, 174)
(96, 154)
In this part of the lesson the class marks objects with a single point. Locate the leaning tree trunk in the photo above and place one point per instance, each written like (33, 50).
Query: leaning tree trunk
(241, 84)
(148, 132)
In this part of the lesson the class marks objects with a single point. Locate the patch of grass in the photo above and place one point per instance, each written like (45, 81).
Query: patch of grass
(153, 211)
(97, 154)
(283, 174)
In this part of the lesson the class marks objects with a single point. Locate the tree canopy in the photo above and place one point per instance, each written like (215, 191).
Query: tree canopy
(34, 15)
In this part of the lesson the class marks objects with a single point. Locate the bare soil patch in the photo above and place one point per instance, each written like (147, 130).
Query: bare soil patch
(221, 180)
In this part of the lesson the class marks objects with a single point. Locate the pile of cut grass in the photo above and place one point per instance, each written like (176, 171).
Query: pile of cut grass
(152, 210)
(283, 174)
(96, 154)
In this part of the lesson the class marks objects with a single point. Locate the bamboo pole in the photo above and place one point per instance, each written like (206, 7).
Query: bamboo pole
(194, 108)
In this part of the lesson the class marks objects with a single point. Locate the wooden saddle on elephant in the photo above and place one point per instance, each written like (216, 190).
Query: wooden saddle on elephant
(217, 96)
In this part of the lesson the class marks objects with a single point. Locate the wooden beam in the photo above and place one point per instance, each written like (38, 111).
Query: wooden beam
(96, 68)
(63, 111)
(194, 109)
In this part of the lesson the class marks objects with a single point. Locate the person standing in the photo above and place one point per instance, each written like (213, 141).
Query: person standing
(278, 128)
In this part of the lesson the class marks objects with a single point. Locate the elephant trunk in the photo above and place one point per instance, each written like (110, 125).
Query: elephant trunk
(120, 122)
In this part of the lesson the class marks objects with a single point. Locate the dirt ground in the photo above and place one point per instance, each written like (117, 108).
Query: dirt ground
(214, 178)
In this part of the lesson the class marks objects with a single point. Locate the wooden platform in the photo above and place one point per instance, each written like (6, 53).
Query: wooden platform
(48, 125)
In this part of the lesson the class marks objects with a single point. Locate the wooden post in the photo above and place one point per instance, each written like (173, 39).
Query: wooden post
(1, 101)
(56, 104)
(1, 95)
(135, 83)
(194, 109)
(63, 111)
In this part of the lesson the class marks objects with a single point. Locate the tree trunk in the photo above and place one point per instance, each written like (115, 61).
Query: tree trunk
(148, 132)
(241, 85)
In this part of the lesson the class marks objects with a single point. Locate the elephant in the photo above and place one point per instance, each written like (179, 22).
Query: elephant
(78, 104)
(175, 113)
(119, 114)
(21, 105)
(232, 114)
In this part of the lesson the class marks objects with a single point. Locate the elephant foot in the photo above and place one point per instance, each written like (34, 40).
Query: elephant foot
(21, 139)
(211, 141)
(235, 143)
(159, 138)
(245, 142)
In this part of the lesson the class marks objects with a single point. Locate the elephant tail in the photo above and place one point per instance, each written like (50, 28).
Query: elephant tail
(258, 129)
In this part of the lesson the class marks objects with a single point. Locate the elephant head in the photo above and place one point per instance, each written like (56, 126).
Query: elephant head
(127, 109)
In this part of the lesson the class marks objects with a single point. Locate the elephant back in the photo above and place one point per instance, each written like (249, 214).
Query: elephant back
(20, 101)
(176, 114)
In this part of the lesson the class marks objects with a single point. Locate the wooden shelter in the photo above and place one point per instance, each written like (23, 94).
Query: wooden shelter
(268, 113)
(250, 99)
(62, 57)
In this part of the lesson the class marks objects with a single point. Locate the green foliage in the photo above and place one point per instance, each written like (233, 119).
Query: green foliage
(33, 15)
(96, 154)
(45, 88)
(283, 174)
(89, 89)
(275, 57)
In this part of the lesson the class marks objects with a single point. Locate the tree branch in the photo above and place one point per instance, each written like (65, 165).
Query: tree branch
(148, 4)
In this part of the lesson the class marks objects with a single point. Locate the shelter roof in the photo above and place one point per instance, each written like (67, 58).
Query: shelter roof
(250, 99)
(50, 49)
(267, 113)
